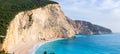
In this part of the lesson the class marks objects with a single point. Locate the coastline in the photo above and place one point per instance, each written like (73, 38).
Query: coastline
(35, 47)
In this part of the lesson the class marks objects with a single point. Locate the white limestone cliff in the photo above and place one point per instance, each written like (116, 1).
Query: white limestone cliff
(44, 23)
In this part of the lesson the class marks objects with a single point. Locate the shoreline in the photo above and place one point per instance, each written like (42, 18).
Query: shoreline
(37, 45)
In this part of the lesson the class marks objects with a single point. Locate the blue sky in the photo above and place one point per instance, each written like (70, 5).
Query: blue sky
(101, 12)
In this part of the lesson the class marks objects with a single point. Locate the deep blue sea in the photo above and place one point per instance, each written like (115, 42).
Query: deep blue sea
(84, 44)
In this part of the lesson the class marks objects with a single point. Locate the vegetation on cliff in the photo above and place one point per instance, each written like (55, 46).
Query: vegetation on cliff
(3, 52)
(9, 8)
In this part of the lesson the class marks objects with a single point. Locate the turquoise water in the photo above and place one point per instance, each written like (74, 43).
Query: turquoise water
(84, 44)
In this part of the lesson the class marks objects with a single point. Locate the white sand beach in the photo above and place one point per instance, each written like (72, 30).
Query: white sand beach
(35, 47)
(30, 48)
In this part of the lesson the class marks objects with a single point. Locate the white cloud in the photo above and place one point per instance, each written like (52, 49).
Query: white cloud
(116, 12)
(108, 4)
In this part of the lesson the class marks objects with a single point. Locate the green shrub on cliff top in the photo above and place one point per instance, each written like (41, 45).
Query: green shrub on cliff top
(9, 8)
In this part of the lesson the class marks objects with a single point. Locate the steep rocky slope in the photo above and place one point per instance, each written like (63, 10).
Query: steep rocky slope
(85, 27)
(44, 23)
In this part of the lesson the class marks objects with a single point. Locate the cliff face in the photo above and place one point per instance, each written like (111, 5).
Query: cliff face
(39, 24)
(45, 23)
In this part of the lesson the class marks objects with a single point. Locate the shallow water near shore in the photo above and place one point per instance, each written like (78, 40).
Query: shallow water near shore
(84, 44)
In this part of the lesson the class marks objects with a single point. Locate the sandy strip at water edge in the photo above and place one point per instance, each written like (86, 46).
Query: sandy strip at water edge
(37, 45)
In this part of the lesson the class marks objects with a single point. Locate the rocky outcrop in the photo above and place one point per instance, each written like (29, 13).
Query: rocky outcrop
(45, 23)
(85, 27)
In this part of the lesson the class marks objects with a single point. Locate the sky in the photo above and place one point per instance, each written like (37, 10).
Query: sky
(101, 12)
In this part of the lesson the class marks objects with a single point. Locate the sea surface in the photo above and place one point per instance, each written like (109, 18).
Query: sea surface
(84, 44)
